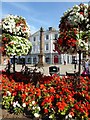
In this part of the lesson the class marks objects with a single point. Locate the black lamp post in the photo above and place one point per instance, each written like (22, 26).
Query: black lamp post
(89, 23)
(79, 68)
(79, 52)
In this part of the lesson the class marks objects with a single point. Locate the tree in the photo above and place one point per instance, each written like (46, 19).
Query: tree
(15, 34)
(74, 29)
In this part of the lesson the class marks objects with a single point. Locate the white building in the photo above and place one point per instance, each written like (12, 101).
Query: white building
(50, 56)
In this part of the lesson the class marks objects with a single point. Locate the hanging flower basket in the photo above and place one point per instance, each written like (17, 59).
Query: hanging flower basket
(15, 35)
(74, 29)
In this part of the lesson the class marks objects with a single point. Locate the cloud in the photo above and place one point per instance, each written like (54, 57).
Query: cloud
(33, 29)
(39, 21)
(20, 6)
(30, 11)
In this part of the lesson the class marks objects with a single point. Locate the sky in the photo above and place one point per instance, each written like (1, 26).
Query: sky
(37, 14)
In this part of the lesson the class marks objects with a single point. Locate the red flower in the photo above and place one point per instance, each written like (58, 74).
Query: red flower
(71, 113)
(14, 93)
(42, 86)
(4, 39)
(82, 13)
(23, 96)
(52, 90)
(38, 92)
(57, 96)
(61, 105)
(87, 97)
(46, 110)
(76, 106)
(60, 41)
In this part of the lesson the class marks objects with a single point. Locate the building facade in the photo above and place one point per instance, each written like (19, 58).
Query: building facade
(50, 57)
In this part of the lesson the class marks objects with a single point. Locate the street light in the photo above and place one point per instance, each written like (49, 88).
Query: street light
(80, 27)
(89, 23)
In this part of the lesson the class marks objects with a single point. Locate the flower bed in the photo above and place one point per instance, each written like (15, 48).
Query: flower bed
(52, 97)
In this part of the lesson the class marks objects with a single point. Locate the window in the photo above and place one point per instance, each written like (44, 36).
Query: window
(38, 47)
(73, 59)
(47, 59)
(67, 59)
(34, 39)
(29, 60)
(34, 60)
(33, 48)
(47, 37)
(56, 36)
(47, 47)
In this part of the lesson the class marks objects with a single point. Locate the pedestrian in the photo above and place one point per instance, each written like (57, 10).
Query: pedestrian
(64, 62)
(8, 66)
(87, 66)
(83, 64)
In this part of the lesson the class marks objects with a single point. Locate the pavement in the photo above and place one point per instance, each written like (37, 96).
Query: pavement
(70, 68)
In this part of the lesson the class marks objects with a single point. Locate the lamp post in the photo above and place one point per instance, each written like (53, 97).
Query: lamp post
(79, 52)
(89, 23)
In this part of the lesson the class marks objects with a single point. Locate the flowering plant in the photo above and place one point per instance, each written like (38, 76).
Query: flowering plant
(74, 30)
(53, 98)
(15, 25)
(15, 34)
(15, 45)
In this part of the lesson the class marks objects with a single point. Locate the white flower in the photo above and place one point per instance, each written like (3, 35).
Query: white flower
(33, 102)
(51, 116)
(70, 116)
(36, 115)
(88, 26)
(24, 104)
(86, 46)
(8, 93)
(33, 108)
(38, 108)
(66, 117)
(77, 13)
(66, 77)
(81, 17)
(16, 104)
(30, 105)
(81, 44)
(61, 77)
(79, 41)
